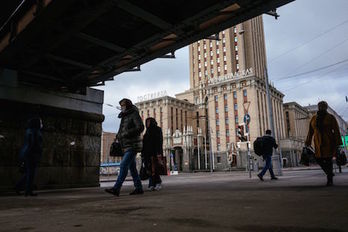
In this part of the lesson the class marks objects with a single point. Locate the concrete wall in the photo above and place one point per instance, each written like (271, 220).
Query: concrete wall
(71, 135)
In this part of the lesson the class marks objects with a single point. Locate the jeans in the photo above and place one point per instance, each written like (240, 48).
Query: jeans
(268, 166)
(128, 162)
(28, 177)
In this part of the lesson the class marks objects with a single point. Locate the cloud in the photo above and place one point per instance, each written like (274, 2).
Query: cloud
(299, 34)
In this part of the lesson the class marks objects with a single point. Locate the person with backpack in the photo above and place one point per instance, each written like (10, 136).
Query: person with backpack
(323, 129)
(129, 137)
(30, 155)
(268, 143)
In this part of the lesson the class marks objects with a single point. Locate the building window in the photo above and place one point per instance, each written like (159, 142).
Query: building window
(217, 42)
(218, 51)
(212, 71)
(245, 94)
(225, 96)
(228, 133)
(199, 65)
(216, 98)
(216, 110)
(176, 119)
(224, 49)
(234, 94)
(218, 157)
(225, 58)
(218, 60)
(205, 46)
(205, 55)
(236, 119)
(226, 121)
(226, 108)
(200, 74)
(154, 113)
(217, 133)
(199, 57)
(235, 39)
(237, 57)
(237, 66)
(236, 48)
(205, 64)
(224, 40)
(197, 118)
(217, 122)
(206, 73)
(235, 106)
(148, 113)
(212, 62)
(225, 67)
(223, 32)
(235, 30)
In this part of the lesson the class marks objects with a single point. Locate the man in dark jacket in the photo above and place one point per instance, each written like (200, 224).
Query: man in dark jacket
(30, 154)
(268, 144)
(129, 137)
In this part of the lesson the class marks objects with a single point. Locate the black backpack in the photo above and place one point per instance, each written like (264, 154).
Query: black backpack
(258, 146)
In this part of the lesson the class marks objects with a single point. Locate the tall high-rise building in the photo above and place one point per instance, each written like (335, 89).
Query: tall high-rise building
(227, 85)
(227, 82)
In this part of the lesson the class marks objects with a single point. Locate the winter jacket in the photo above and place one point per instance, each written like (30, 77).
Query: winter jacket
(269, 143)
(325, 143)
(152, 142)
(130, 130)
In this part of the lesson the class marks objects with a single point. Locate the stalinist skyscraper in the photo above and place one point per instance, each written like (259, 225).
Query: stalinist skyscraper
(227, 82)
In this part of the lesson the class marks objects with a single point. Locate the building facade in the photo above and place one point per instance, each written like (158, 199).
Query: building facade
(296, 129)
(227, 82)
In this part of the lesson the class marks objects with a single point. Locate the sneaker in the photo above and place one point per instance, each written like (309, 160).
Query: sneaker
(158, 187)
(137, 192)
(274, 178)
(113, 191)
(151, 188)
(260, 177)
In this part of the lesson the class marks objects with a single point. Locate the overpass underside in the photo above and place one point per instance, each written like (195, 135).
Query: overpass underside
(52, 51)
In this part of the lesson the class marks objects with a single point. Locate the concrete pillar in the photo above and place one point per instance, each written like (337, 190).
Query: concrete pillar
(71, 134)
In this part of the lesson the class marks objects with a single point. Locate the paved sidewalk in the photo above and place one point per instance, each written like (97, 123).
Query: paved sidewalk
(298, 201)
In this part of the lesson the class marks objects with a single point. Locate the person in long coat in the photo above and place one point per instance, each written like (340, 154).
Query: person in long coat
(30, 154)
(152, 148)
(323, 128)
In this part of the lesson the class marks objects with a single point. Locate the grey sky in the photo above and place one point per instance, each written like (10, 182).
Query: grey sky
(309, 34)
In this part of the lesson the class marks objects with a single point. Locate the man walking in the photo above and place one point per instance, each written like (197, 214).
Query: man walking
(128, 135)
(268, 144)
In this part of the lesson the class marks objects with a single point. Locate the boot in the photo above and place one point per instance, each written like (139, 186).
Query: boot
(137, 192)
(329, 180)
(113, 191)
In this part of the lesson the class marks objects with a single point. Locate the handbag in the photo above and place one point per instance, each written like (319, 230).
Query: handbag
(160, 163)
(144, 173)
(116, 149)
(307, 156)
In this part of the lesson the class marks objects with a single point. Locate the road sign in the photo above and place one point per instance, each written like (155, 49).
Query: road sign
(247, 119)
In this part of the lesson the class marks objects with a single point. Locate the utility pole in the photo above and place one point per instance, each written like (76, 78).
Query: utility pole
(270, 116)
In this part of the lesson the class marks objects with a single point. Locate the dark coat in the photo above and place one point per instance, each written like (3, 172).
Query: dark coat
(32, 148)
(130, 130)
(269, 143)
(327, 141)
(152, 142)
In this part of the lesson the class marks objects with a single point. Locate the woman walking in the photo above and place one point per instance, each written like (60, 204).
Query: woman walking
(323, 126)
(152, 151)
